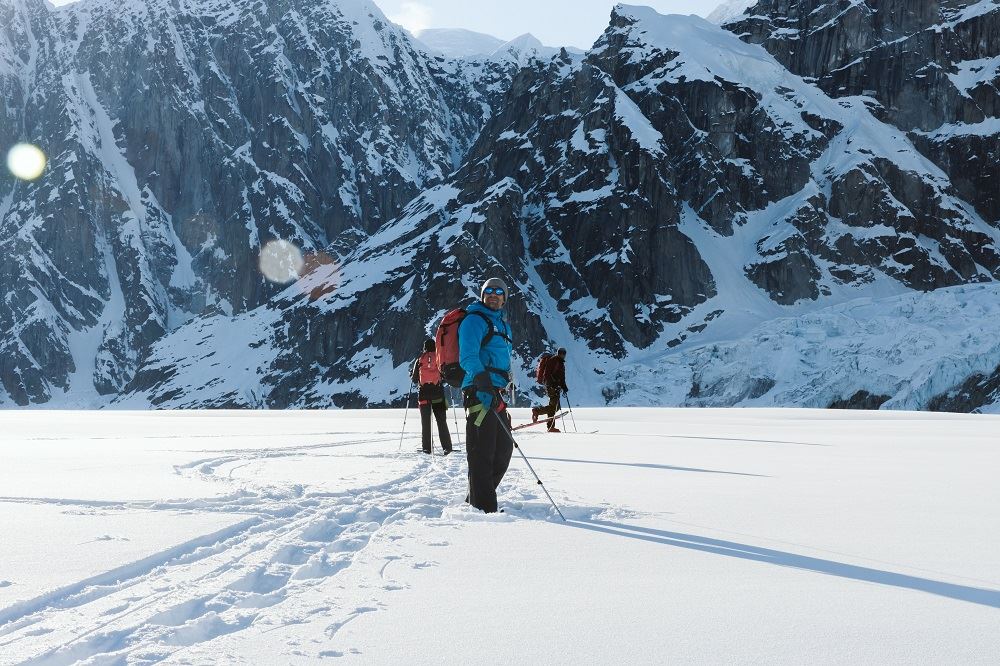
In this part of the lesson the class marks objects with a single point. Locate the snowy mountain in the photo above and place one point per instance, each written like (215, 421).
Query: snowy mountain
(523, 49)
(674, 189)
(458, 43)
(182, 139)
(466, 44)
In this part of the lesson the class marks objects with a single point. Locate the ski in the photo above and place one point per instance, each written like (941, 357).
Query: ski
(540, 421)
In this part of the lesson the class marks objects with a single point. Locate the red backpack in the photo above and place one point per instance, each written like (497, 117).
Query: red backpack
(428, 371)
(446, 342)
(544, 368)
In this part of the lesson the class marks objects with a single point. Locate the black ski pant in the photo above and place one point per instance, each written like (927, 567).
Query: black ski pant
(554, 394)
(488, 448)
(440, 410)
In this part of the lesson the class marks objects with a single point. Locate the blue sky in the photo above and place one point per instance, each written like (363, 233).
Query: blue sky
(555, 22)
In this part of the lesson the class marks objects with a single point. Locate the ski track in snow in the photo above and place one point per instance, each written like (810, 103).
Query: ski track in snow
(253, 573)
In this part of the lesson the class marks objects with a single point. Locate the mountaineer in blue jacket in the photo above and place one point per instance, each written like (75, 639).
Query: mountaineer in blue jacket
(484, 345)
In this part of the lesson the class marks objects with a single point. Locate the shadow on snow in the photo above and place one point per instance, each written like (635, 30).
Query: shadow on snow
(975, 595)
(647, 465)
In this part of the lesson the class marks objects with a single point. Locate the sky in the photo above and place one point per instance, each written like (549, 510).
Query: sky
(555, 22)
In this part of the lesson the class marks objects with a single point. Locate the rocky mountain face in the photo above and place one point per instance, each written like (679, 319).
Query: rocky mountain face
(674, 188)
(182, 138)
(929, 67)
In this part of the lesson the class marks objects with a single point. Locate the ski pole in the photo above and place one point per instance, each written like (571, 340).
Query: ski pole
(566, 395)
(454, 412)
(514, 441)
(405, 414)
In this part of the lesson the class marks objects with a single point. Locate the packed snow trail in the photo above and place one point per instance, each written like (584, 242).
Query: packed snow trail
(202, 590)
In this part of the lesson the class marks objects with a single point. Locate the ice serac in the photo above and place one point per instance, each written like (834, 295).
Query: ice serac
(931, 68)
(675, 188)
(182, 138)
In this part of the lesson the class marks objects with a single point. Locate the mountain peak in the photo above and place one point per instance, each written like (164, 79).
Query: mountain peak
(527, 40)
(522, 49)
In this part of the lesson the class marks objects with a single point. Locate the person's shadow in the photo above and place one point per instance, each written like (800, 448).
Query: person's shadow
(975, 595)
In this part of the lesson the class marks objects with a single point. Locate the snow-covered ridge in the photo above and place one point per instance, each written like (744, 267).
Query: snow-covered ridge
(459, 43)
(474, 46)
(729, 11)
(522, 49)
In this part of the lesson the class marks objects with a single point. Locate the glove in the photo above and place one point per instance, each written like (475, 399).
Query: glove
(485, 398)
(482, 382)
(565, 390)
(485, 390)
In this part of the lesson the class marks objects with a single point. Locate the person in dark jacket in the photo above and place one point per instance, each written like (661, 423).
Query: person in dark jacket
(430, 397)
(484, 343)
(555, 386)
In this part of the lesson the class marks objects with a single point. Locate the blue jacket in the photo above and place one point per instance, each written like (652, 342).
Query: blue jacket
(473, 357)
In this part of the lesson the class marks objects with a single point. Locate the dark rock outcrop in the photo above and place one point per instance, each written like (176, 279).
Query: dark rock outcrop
(930, 65)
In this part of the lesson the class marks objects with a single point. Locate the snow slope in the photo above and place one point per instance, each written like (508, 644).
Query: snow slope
(729, 11)
(694, 536)
(458, 43)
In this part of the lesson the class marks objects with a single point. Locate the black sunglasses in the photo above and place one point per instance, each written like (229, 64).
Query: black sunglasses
(494, 290)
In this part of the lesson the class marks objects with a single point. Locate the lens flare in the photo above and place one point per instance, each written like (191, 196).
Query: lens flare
(26, 161)
(281, 262)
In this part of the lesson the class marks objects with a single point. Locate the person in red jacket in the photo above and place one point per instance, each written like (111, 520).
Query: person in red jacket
(430, 397)
(555, 386)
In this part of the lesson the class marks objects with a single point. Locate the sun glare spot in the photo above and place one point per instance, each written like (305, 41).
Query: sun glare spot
(26, 161)
(281, 261)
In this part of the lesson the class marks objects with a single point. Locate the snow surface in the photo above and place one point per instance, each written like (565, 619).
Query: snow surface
(694, 536)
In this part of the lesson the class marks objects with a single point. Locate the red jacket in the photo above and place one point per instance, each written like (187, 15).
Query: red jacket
(556, 372)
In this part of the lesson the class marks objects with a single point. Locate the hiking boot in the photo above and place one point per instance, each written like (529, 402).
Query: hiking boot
(534, 414)
(554, 430)
(447, 452)
(423, 451)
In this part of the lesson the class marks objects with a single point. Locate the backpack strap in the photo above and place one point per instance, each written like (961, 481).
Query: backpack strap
(489, 324)
(486, 338)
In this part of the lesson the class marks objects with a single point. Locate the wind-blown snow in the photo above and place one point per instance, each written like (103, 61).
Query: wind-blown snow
(296, 537)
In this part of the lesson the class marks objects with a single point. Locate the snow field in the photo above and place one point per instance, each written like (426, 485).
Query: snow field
(696, 536)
